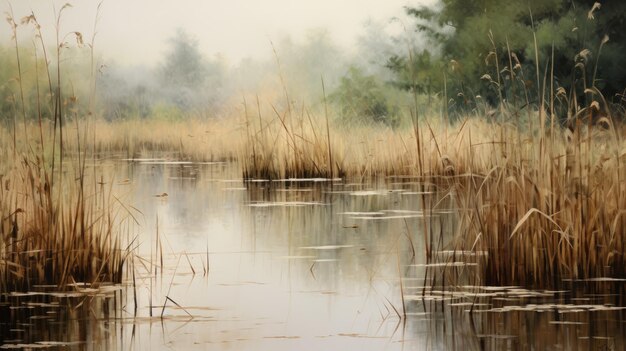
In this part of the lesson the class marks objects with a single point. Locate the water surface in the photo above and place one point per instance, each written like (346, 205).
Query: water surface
(311, 264)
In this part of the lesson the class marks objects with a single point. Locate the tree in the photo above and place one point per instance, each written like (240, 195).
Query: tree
(361, 97)
(304, 63)
(184, 64)
(188, 79)
(514, 45)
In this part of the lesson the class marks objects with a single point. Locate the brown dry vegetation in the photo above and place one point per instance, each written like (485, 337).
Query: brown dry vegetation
(544, 205)
(58, 223)
(542, 202)
(56, 235)
(194, 139)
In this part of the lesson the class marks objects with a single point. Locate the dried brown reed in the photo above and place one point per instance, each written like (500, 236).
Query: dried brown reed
(543, 202)
(56, 234)
(191, 139)
(58, 226)
(544, 205)
(551, 210)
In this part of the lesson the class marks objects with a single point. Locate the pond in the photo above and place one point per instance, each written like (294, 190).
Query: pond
(309, 264)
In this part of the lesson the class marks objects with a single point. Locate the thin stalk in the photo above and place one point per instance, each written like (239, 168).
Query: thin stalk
(330, 154)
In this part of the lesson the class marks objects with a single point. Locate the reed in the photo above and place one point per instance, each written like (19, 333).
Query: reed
(540, 201)
(544, 204)
(58, 224)
(541, 218)
(56, 234)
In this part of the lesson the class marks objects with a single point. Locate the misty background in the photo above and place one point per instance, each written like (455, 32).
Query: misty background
(370, 61)
(201, 58)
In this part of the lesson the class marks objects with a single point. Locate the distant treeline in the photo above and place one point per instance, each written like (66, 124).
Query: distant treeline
(453, 58)
(519, 52)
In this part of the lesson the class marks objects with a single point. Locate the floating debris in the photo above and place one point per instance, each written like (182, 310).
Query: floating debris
(173, 163)
(302, 180)
(145, 159)
(297, 257)
(371, 192)
(445, 264)
(41, 345)
(326, 247)
(362, 213)
(285, 204)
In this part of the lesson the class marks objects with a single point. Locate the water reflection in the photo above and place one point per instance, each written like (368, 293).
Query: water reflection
(308, 265)
(42, 319)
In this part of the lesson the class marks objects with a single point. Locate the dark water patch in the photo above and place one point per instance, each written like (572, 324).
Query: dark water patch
(59, 320)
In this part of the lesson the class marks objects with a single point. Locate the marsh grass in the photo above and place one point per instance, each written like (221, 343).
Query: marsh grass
(544, 216)
(540, 201)
(58, 223)
(544, 205)
(193, 139)
(57, 235)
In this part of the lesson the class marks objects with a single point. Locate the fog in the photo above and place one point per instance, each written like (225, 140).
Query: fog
(202, 58)
(135, 32)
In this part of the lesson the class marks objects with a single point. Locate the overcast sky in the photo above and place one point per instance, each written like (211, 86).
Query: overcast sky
(135, 31)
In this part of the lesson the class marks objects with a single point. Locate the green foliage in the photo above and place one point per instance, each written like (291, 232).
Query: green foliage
(35, 85)
(7, 89)
(495, 40)
(361, 97)
(123, 100)
(166, 112)
(420, 72)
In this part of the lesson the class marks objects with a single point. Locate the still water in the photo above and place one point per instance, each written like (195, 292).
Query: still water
(317, 264)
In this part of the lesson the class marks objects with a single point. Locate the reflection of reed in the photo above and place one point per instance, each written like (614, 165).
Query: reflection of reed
(478, 317)
(78, 320)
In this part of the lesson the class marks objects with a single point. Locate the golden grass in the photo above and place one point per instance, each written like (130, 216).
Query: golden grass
(542, 202)
(544, 206)
(549, 211)
(56, 233)
(58, 225)
(194, 139)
